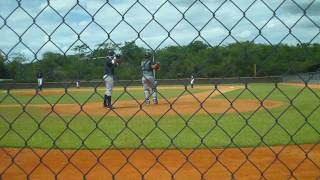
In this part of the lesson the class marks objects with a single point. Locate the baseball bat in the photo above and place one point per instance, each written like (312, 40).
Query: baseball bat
(97, 57)
(154, 71)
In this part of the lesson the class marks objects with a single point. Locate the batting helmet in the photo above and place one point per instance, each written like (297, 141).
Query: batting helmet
(110, 53)
(147, 54)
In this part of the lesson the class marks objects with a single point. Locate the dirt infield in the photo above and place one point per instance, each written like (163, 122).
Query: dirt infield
(186, 104)
(313, 86)
(200, 103)
(245, 163)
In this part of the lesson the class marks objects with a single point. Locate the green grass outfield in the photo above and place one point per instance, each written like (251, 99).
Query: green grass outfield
(289, 124)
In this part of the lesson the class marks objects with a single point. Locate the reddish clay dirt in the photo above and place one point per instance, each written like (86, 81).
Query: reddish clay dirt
(313, 86)
(245, 163)
(185, 105)
(200, 103)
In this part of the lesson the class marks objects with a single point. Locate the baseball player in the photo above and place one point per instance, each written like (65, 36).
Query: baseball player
(192, 81)
(111, 62)
(78, 84)
(148, 80)
(40, 80)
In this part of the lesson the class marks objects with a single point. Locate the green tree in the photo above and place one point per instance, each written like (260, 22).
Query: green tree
(16, 69)
(51, 64)
(132, 56)
(81, 49)
(3, 70)
(196, 58)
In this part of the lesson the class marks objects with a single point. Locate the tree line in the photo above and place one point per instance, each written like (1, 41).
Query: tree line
(197, 59)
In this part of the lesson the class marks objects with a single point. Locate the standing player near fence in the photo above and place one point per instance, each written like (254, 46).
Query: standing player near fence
(192, 81)
(111, 62)
(40, 80)
(78, 84)
(148, 79)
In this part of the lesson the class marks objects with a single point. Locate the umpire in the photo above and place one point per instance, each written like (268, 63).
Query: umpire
(148, 80)
(111, 62)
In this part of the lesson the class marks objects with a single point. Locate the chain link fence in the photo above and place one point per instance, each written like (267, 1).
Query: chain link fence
(242, 118)
(312, 77)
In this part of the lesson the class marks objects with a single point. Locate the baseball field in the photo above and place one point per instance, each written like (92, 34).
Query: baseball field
(253, 131)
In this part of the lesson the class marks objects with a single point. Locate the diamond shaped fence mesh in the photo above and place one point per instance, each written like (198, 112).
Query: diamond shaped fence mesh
(166, 89)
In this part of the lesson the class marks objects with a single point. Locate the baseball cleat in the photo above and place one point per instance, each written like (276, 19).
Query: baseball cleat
(105, 101)
(155, 101)
(147, 101)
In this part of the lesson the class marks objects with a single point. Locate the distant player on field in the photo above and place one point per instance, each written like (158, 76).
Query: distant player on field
(78, 84)
(148, 80)
(192, 81)
(40, 80)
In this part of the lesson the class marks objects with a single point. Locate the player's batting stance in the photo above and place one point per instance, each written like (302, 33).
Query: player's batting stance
(111, 62)
(148, 79)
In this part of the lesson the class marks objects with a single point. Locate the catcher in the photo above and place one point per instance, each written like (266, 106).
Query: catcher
(148, 80)
(112, 61)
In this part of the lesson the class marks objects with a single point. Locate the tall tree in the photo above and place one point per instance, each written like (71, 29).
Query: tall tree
(3, 70)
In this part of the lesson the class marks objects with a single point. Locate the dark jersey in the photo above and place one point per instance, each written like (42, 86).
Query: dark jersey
(109, 66)
(39, 75)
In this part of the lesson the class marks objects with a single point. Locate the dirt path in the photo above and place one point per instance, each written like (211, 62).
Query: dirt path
(313, 86)
(247, 163)
(185, 105)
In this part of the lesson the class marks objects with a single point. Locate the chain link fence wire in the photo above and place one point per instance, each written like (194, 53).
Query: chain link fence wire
(253, 113)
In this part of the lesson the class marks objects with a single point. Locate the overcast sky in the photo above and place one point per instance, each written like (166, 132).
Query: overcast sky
(167, 28)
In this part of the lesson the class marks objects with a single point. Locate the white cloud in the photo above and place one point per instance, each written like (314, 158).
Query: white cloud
(153, 34)
(272, 24)
(42, 5)
(244, 34)
(218, 31)
(62, 5)
(6, 7)
(83, 23)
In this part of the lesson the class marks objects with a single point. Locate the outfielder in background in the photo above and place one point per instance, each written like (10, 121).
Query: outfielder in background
(192, 81)
(40, 80)
(148, 80)
(78, 84)
(112, 61)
